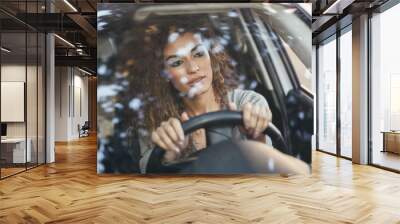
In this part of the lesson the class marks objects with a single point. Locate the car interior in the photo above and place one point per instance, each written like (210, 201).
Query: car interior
(253, 65)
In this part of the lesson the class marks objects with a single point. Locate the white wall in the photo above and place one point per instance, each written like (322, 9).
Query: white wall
(81, 96)
(71, 94)
(61, 103)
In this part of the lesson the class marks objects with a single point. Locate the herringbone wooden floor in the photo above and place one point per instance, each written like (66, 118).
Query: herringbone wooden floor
(70, 191)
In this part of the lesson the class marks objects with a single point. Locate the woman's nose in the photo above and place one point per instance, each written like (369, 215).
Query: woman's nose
(192, 67)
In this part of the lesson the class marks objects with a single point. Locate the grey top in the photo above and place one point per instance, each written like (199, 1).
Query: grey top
(237, 96)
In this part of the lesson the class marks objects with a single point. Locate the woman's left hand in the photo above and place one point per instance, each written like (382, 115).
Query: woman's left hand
(255, 118)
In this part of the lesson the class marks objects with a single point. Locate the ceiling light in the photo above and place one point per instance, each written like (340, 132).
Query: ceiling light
(5, 50)
(70, 5)
(64, 40)
(86, 72)
(337, 7)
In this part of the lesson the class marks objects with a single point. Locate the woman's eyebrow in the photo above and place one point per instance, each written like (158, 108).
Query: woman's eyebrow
(171, 56)
(195, 47)
(175, 56)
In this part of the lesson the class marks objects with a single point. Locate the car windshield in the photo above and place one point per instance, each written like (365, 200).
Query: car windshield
(248, 39)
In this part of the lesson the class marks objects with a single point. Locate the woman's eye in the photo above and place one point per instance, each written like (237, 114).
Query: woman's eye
(199, 54)
(176, 63)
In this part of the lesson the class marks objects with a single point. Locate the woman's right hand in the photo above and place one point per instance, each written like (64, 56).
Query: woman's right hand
(170, 137)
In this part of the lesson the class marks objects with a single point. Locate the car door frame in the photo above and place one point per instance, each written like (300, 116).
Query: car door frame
(255, 27)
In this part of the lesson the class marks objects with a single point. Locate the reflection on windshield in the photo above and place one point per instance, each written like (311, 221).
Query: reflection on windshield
(148, 70)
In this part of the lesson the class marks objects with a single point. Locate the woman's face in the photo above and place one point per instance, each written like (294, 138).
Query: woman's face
(188, 64)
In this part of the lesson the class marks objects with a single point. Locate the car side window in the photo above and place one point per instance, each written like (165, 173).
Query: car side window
(237, 41)
(302, 72)
(269, 37)
(291, 34)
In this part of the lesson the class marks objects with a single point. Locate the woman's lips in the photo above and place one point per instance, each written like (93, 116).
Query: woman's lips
(195, 86)
(196, 80)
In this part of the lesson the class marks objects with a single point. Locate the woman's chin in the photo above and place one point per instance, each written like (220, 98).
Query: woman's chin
(194, 93)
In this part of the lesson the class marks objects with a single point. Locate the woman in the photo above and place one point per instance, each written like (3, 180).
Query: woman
(195, 83)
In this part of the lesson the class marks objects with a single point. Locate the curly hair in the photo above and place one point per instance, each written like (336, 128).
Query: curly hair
(148, 69)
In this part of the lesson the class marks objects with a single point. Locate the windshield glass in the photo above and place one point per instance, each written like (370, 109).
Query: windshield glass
(154, 59)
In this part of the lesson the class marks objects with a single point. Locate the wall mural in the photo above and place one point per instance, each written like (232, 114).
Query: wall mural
(204, 89)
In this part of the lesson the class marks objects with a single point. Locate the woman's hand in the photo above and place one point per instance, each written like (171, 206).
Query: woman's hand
(255, 118)
(170, 137)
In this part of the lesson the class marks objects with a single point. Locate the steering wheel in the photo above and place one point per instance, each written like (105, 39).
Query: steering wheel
(208, 120)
